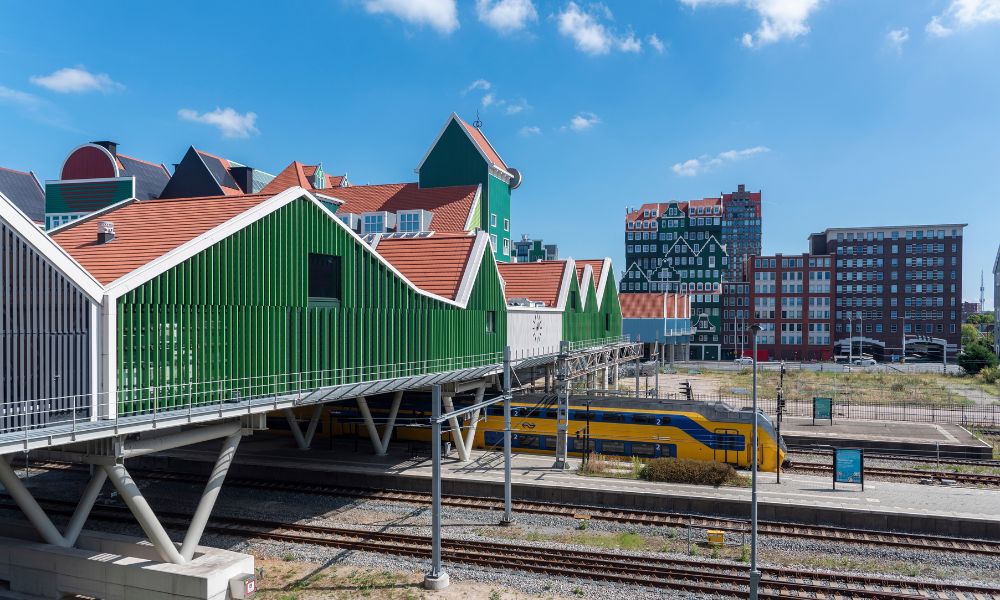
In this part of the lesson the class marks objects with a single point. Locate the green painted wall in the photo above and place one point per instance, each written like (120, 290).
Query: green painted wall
(239, 310)
(610, 318)
(86, 196)
(455, 160)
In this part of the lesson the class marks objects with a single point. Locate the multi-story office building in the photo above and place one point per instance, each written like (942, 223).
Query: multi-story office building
(736, 319)
(677, 246)
(529, 250)
(792, 300)
(741, 228)
(894, 281)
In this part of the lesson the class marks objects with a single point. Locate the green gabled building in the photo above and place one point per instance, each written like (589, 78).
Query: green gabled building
(210, 300)
(461, 155)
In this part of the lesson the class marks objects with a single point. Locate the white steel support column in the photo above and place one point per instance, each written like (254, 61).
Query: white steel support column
(456, 430)
(210, 495)
(370, 424)
(562, 410)
(304, 441)
(140, 509)
(508, 510)
(36, 515)
(470, 433)
(390, 423)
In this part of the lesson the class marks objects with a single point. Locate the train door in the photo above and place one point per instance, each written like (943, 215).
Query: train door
(728, 444)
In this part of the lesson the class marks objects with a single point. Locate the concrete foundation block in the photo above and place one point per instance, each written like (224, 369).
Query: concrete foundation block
(113, 567)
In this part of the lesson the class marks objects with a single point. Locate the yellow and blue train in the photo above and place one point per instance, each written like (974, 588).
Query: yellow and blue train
(646, 428)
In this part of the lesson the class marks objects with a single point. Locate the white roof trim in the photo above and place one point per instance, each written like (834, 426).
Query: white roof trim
(472, 264)
(569, 274)
(51, 251)
(455, 117)
(164, 263)
(586, 282)
(606, 268)
(475, 206)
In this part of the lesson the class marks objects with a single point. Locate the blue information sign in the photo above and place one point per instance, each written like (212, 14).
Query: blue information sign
(823, 409)
(848, 466)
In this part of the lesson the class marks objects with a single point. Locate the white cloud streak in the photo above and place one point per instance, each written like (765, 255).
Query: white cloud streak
(779, 19)
(479, 84)
(506, 16)
(590, 35)
(963, 14)
(227, 120)
(77, 80)
(655, 43)
(34, 107)
(705, 163)
(441, 15)
(582, 122)
(530, 130)
(897, 37)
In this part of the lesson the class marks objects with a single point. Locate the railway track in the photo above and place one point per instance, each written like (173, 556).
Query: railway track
(625, 516)
(968, 478)
(725, 579)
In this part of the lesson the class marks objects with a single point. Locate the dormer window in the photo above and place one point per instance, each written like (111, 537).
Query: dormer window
(377, 222)
(413, 221)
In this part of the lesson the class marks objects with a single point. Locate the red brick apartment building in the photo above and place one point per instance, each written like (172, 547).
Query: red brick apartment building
(792, 299)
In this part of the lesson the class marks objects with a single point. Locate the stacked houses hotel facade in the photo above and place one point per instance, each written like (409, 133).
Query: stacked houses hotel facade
(856, 291)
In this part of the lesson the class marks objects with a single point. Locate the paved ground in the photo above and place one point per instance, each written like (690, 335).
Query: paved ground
(804, 490)
(883, 431)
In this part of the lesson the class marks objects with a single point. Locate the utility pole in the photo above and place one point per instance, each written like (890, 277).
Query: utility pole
(779, 413)
(437, 578)
(850, 349)
(562, 410)
(754, 573)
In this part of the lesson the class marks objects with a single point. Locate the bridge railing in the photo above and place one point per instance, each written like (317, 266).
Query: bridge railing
(131, 400)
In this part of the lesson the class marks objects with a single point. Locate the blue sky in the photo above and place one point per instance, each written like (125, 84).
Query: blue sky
(843, 112)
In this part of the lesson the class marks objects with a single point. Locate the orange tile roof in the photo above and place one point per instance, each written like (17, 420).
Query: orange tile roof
(537, 281)
(598, 267)
(656, 305)
(659, 207)
(146, 230)
(484, 145)
(434, 264)
(292, 175)
(451, 205)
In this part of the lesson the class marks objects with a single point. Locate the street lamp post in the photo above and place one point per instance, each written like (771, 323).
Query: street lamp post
(754, 573)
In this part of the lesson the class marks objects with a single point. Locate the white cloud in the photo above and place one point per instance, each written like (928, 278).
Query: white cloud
(897, 37)
(630, 43)
(515, 106)
(231, 123)
(705, 163)
(506, 15)
(530, 130)
(582, 122)
(964, 14)
(779, 19)
(479, 84)
(655, 42)
(77, 80)
(22, 99)
(488, 100)
(590, 35)
(439, 14)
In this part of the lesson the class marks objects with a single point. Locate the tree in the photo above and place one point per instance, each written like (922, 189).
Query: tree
(984, 318)
(975, 357)
(970, 334)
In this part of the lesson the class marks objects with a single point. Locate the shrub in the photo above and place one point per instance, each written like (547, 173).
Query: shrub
(685, 470)
(975, 357)
(990, 375)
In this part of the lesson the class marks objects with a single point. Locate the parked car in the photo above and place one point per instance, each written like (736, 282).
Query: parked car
(865, 362)
(744, 360)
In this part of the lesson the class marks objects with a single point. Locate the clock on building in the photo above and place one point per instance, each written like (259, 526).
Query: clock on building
(536, 328)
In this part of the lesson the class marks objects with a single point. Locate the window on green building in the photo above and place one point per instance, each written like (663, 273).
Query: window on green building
(324, 278)
(491, 321)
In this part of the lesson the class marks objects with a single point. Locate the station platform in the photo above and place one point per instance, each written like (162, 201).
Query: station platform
(882, 506)
(887, 437)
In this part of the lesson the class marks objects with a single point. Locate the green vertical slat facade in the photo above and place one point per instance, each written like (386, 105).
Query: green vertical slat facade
(239, 312)
(588, 322)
